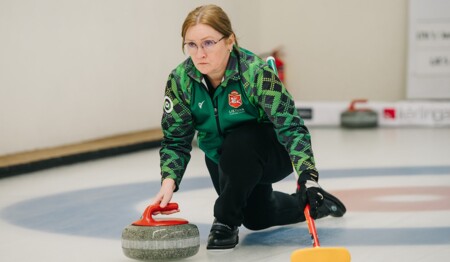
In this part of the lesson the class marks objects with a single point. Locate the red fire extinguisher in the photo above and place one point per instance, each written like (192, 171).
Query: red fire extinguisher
(279, 63)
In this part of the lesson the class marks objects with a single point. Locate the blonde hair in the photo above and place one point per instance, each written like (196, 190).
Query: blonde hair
(211, 15)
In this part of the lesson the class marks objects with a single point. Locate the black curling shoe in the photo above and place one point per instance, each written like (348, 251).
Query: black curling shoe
(331, 206)
(222, 236)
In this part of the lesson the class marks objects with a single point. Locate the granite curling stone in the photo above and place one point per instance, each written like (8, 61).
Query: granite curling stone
(359, 118)
(149, 239)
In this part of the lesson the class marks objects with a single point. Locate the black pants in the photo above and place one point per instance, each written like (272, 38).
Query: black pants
(252, 160)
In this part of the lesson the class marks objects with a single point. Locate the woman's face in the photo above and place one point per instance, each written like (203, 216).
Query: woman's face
(208, 49)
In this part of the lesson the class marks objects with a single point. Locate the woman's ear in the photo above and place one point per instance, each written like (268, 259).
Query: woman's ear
(230, 42)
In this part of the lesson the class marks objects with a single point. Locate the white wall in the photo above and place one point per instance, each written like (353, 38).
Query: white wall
(77, 70)
(429, 50)
(340, 50)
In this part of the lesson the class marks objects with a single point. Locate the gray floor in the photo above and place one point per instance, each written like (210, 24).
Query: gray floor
(394, 181)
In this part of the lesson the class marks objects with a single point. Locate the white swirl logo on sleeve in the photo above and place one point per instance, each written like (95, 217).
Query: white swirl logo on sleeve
(168, 104)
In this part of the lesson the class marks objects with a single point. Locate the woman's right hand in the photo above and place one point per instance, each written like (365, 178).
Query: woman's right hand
(165, 195)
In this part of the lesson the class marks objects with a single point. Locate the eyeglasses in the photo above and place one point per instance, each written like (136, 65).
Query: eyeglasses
(207, 46)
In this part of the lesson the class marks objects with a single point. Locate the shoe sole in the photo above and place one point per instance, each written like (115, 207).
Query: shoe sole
(224, 248)
(220, 248)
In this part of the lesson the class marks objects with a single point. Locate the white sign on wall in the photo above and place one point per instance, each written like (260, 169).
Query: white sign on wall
(429, 49)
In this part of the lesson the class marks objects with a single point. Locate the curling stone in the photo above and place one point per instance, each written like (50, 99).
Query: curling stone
(359, 118)
(159, 239)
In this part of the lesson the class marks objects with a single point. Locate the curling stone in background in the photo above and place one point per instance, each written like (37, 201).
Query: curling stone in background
(359, 118)
(158, 239)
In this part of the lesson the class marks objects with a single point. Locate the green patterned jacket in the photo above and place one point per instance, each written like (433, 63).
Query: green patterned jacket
(250, 91)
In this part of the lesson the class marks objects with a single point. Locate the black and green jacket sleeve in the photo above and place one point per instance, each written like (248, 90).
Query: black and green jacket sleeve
(279, 107)
(178, 132)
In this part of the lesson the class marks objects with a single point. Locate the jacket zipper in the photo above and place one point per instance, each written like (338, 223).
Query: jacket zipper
(216, 115)
(216, 111)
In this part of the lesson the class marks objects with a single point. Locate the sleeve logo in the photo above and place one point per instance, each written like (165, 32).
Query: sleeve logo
(168, 105)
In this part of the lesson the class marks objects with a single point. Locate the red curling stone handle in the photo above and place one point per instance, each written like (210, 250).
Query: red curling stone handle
(148, 220)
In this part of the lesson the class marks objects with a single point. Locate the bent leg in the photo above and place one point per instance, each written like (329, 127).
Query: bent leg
(266, 208)
(251, 160)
